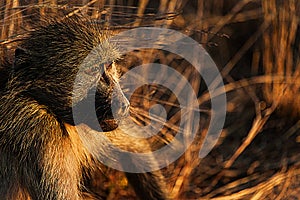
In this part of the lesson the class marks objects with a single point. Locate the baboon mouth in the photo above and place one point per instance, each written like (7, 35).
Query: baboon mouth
(109, 124)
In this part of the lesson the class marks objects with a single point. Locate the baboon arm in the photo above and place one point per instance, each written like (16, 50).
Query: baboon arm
(37, 154)
(148, 186)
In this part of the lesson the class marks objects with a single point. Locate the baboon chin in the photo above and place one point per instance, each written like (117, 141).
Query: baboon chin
(42, 154)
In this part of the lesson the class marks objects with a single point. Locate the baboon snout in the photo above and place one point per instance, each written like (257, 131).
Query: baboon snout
(120, 104)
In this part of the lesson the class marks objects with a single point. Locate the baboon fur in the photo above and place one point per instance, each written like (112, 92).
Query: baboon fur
(42, 154)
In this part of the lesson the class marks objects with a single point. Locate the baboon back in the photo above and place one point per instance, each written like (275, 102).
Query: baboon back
(37, 154)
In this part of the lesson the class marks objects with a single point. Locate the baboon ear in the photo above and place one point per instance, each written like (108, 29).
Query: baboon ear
(19, 58)
(19, 51)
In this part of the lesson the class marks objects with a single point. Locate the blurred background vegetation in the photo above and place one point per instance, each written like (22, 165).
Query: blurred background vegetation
(255, 44)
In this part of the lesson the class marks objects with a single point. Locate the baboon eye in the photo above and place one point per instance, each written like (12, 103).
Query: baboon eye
(92, 70)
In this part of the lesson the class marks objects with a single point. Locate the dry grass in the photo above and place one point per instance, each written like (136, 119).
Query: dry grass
(256, 45)
(279, 55)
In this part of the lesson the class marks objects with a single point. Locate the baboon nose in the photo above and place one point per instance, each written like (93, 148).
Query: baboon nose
(121, 108)
(120, 105)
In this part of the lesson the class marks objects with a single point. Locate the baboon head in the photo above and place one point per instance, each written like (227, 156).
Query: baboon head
(65, 63)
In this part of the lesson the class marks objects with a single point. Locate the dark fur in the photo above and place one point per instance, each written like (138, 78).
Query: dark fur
(42, 156)
(4, 68)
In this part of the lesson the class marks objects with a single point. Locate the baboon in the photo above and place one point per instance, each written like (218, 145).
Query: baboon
(42, 155)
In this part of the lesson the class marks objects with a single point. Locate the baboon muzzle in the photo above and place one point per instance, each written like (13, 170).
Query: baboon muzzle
(120, 104)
